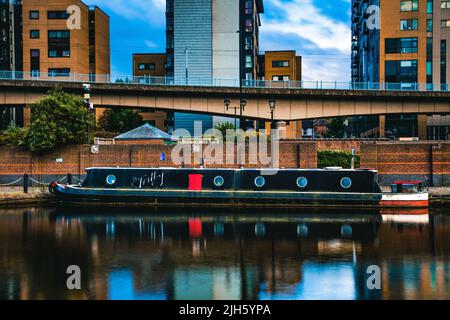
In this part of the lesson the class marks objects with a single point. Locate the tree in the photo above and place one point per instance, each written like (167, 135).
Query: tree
(336, 158)
(15, 136)
(120, 120)
(335, 128)
(223, 127)
(58, 119)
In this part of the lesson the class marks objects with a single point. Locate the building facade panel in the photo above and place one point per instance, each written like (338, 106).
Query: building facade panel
(102, 47)
(225, 39)
(11, 53)
(192, 40)
(10, 35)
(207, 39)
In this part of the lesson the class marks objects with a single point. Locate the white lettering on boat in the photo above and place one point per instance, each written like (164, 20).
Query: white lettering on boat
(152, 180)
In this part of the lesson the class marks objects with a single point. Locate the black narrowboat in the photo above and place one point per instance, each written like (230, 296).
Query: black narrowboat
(210, 187)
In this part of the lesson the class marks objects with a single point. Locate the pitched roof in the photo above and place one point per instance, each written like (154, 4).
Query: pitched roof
(144, 132)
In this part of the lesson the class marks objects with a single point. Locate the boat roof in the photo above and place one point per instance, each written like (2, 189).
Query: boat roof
(231, 169)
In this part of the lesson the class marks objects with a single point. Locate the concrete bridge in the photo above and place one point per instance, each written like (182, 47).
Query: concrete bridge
(291, 103)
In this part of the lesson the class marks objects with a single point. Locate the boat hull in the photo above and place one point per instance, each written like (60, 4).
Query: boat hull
(232, 187)
(223, 198)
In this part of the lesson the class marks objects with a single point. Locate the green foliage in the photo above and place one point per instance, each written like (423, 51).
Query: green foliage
(106, 134)
(223, 127)
(119, 120)
(336, 158)
(335, 128)
(15, 136)
(58, 119)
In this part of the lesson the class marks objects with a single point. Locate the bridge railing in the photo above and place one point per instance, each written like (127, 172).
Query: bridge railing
(208, 82)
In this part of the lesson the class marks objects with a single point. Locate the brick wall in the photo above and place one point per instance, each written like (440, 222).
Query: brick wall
(429, 162)
(344, 145)
(426, 161)
(48, 166)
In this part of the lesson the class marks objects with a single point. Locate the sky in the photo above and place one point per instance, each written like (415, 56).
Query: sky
(319, 30)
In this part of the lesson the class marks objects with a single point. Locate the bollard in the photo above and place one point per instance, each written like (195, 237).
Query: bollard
(25, 183)
(69, 178)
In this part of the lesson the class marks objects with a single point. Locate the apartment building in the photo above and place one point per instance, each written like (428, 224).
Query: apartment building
(65, 37)
(145, 66)
(409, 49)
(52, 44)
(280, 66)
(10, 53)
(10, 35)
(211, 39)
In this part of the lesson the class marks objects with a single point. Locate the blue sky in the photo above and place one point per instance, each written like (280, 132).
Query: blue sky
(318, 29)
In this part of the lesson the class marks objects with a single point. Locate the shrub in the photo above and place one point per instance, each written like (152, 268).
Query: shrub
(119, 120)
(15, 136)
(58, 119)
(336, 158)
(106, 134)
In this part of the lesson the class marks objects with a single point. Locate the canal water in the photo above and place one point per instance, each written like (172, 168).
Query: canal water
(185, 254)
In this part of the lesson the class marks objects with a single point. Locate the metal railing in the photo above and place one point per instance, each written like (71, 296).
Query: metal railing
(205, 82)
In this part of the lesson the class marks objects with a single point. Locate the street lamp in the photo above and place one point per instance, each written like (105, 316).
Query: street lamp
(89, 106)
(242, 105)
(272, 104)
(241, 108)
(227, 104)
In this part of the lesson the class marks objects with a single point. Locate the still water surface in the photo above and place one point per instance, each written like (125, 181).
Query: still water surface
(307, 254)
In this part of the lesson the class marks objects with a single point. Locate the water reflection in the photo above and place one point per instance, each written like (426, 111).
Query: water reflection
(192, 255)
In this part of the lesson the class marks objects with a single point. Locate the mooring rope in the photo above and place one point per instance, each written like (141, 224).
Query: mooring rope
(35, 181)
(38, 182)
(77, 179)
(11, 183)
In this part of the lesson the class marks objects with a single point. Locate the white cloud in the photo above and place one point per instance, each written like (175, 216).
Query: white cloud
(323, 41)
(151, 11)
(150, 44)
(309, 31)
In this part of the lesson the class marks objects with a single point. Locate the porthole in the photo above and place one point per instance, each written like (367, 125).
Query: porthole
(346, 230)
(302, 182)
(260, 229)
(302, 230)
(260, 181)
(219, 181)
(346, 182)
(111, 179)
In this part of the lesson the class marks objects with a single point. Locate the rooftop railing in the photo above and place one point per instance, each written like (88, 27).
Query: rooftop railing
(205, 82)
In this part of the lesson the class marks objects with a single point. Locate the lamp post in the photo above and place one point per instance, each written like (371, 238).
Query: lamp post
(227, 104)
(272, 104)
(89, 106)
(242, 105)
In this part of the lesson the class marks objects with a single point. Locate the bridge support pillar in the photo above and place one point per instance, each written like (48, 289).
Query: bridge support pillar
(281, 127)
(294, 129)
(422, 127)
(382, 126)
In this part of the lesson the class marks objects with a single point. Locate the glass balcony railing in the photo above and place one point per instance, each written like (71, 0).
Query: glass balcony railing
(208, 82)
